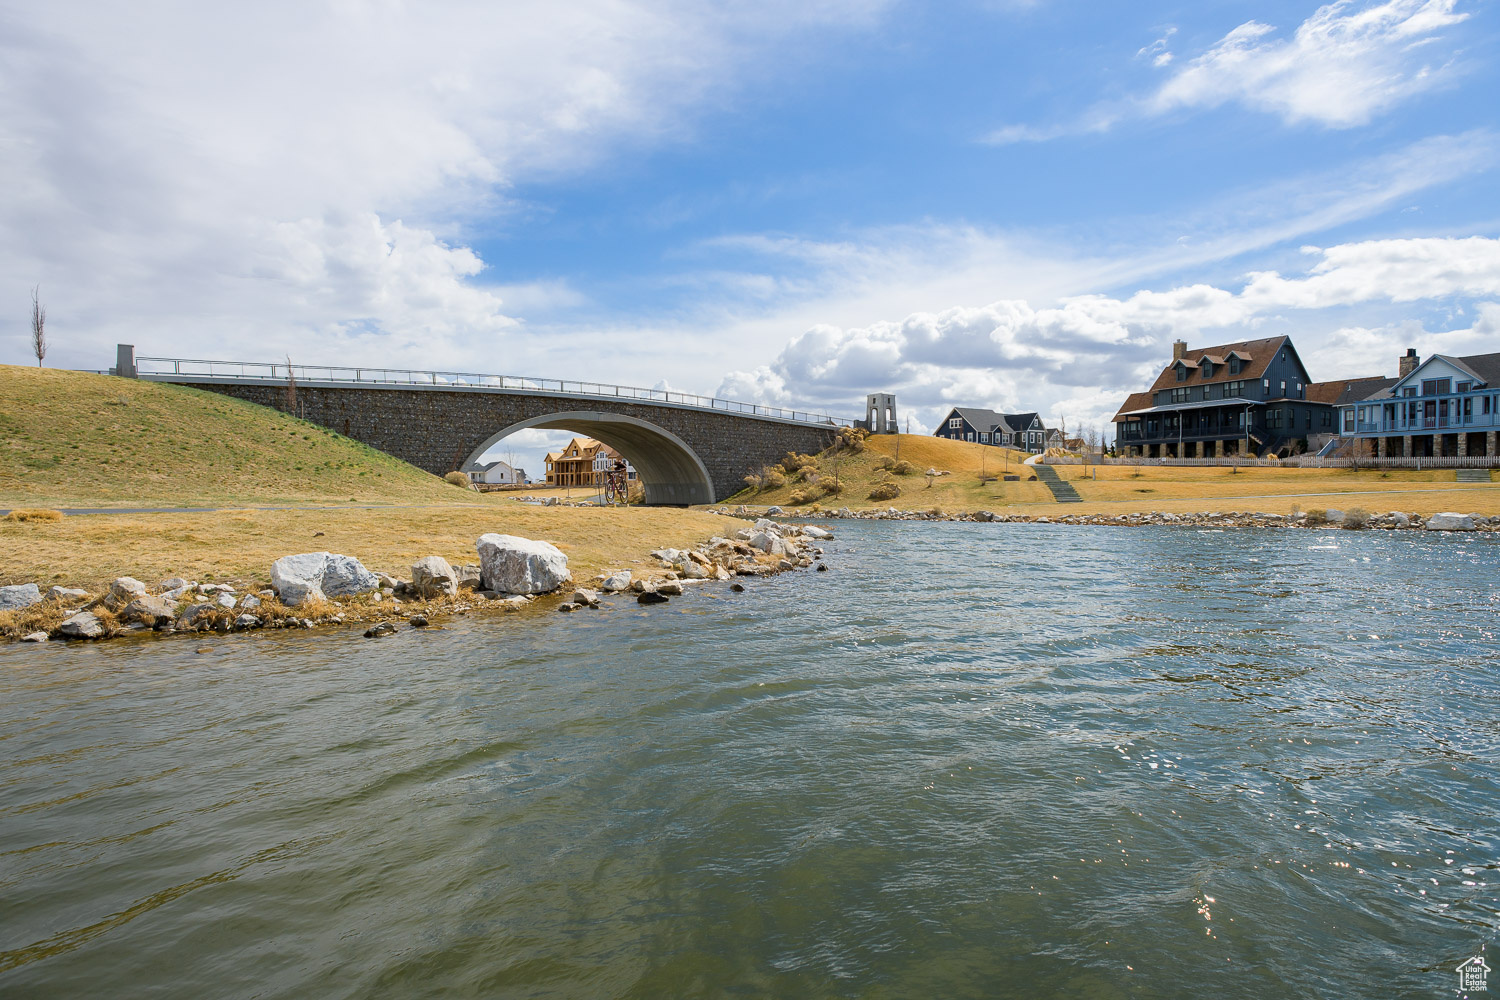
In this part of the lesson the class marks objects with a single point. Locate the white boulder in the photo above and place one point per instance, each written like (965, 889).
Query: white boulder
(68, 595)
(1450, 522)
(767, 542)
(124, 590)
(319, 576)
(510, 564)
(21, 595)
(818, 534)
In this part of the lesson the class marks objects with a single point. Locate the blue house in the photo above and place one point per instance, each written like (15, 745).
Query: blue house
(1445, 406)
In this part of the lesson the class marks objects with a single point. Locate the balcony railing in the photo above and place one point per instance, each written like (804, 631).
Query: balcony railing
(179, 369)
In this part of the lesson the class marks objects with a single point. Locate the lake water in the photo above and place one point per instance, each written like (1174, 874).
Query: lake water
(973, 760)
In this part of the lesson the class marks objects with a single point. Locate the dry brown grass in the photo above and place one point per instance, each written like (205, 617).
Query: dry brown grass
(239, 546)
(1122, 489)
(23, 514)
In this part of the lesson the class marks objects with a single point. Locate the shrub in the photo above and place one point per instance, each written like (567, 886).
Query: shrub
(850, 439)
(885, 462)
(885, 491)
(1356, 517)
(793, 462)
(458, 479)
(771, 478)
(800, 498)
(752, 481)
(831, 487)
(1317, 516)
(903, 468)
(34, 514)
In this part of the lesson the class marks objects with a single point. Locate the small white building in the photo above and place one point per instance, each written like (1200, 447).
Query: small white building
(495, 473)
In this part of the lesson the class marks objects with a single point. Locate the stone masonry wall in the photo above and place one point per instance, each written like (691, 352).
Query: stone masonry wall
(437, 429)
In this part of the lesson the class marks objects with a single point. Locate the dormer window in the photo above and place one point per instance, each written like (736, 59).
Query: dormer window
(1207, 368)
(1234, 365)
(1182, 373)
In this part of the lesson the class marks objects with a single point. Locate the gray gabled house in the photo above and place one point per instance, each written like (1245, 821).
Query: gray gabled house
(1022, 431)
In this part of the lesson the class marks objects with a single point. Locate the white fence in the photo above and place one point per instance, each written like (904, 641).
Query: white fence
(1298, 462)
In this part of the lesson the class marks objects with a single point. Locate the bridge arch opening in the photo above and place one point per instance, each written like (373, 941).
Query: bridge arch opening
(670, 472)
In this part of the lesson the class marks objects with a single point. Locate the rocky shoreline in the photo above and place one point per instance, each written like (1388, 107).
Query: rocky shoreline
(1353, 518)
(314, 589)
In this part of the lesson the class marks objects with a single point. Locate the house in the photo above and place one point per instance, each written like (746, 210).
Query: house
(1445, 406)
(1024, 431)
(495, 473)
(1252, 397)
(584, 462)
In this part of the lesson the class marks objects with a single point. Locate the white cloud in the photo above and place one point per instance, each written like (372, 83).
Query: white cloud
(1343, 66)
(301, 172)
(1080, 356)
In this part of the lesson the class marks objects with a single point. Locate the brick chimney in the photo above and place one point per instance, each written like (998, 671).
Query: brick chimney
(1408, 364)
(1179, 350)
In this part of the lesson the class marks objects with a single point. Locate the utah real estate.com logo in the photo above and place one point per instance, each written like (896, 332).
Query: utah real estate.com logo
(1473, 976)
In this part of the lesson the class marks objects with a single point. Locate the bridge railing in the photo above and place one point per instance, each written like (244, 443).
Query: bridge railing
(240, 371)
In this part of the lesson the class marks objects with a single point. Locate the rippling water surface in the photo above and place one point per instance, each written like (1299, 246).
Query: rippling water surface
(972, 760)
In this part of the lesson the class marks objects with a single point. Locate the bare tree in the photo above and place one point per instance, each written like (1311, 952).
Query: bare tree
(291, 388)
(38, 325)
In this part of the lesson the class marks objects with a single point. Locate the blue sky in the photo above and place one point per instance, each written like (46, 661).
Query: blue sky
(1007, 204)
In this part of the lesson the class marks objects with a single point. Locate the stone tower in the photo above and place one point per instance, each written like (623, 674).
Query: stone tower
(880, 413)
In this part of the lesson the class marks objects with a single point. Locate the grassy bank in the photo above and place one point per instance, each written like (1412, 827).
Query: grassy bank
(70, 439)
(976, 483)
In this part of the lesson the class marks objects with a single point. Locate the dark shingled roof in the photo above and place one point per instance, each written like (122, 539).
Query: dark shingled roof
(1135, 401)
(1258, 352)
(1348, 390)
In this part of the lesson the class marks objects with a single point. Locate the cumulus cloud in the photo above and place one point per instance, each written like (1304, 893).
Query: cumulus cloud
(179, 171)
(1340, 68)
(1083, 354)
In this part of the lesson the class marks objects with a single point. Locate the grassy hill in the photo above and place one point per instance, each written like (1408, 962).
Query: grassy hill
(72, 439)
(976, 482)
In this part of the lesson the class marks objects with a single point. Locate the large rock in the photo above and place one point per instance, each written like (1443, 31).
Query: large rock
(694, 570)
(83, 625)
(469, 576)
(769, 543)
(124, 590)
(149, 610)
(514, 565)
(21, 595)
(432, 576)
(1450, 522)
(815, 532)
(318, 576)
(68, 595)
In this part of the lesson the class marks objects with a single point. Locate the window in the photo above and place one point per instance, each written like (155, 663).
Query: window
(1207, 368)
(1205, 392)
(955, 423)
(1487, 404)
(984, 437)
(1410, 390)
(1273, 418)
(969, 436)
(1234, 389)
(1299, 388)
(1182, 373)
(1436, 386)
(1468, 411)
(1463, 387)
(1234, 366)
(1327, 418)
(1266, 384)
(1364, 415)
(1349, 420)
(1283, 389)
(1181, 395)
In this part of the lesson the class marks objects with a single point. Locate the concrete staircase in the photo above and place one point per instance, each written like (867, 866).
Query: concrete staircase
(1473, 475)
(1061, 492)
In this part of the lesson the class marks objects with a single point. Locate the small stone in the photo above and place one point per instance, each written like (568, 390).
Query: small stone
(670, 587)
(586, 598)
(122, 591)
(418, 621)
(68, 595)
(738, 588)
(568, 606)
(246, 621)
(822, 567)
(615, 580)
(773, 511)
(250, 601)
(651, 597)
(786, 564)
(34, 637)
(83, 625)
(150, 611)
(469, 576)
(225, 600)
(376, 631)
(432, 576)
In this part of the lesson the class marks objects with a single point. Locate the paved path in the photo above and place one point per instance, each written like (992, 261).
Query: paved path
(78, 511)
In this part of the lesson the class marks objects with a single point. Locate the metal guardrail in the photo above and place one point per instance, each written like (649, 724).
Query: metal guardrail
(242, 371)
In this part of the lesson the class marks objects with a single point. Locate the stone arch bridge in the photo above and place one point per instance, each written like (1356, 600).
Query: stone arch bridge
(687, 449)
